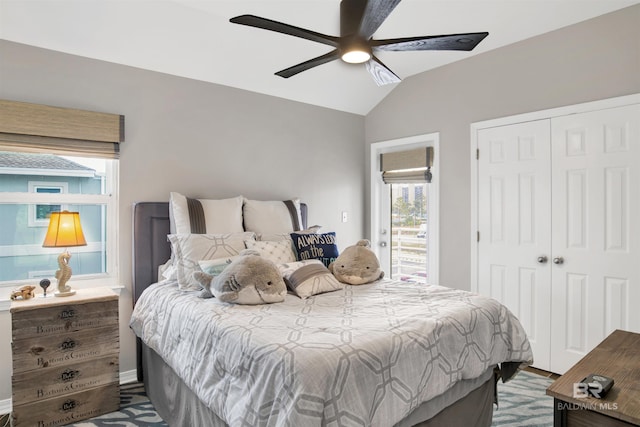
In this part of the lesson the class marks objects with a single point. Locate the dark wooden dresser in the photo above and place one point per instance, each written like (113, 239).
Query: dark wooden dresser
(617, 357)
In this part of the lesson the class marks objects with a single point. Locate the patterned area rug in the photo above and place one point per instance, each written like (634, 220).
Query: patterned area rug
(135, 410)
(522, 402)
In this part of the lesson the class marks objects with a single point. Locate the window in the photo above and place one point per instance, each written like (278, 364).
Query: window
(39, 214)
(34, 185)
(408, 233)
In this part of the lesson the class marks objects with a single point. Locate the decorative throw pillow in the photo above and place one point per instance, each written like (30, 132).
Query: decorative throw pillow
(203, 216)
(189, 249)
(215, 266)
(310, 277)
(272, 217)
(167, 271)
(277, 252)
(316, 246)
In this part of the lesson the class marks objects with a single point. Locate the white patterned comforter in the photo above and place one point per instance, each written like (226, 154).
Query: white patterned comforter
(364, 355)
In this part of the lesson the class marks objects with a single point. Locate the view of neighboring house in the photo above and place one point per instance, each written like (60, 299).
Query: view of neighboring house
(22, 256)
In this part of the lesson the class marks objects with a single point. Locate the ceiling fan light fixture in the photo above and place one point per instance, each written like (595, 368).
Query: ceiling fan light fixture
(355, 51)
(356, 56)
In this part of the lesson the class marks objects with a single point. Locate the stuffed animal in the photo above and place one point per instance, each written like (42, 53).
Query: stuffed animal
(25, 292)
(249, 279)
(357, 265)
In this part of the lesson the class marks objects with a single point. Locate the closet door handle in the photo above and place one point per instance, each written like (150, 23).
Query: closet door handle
(558, 260)
(542, 259)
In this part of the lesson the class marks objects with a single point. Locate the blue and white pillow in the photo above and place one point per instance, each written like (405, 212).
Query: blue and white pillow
(321, 246)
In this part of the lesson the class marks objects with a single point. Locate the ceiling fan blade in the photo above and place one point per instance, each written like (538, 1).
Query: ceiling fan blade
(374, 15)
(449, 42)
(381, 74)
(292, 71)
(280, 27)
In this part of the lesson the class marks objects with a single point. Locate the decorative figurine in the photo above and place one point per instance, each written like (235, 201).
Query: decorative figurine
(44, 284)
(24, 293)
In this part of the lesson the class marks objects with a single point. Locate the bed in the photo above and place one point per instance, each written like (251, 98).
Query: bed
(385, 354)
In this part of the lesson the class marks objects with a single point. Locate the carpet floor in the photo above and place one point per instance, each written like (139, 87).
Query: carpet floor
(521, 402)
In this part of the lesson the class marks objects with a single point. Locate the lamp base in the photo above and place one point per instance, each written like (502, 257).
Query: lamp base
(64, 294)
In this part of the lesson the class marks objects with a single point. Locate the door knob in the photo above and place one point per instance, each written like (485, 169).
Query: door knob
(383, 244)
(542, 259)
(558, 260)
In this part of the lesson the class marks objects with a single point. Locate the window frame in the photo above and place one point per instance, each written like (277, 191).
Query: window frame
(110, 199)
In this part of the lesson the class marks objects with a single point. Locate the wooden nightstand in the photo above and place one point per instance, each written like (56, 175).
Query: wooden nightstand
(615, 357)
(65, 358)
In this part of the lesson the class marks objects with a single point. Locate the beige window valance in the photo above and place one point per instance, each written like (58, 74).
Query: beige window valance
(41, 128)
(407, 167)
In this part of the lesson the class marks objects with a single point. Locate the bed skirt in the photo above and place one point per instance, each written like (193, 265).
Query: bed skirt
(469, 402)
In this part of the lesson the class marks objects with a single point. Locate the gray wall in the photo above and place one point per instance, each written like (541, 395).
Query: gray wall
(593, 60)
(201, 139)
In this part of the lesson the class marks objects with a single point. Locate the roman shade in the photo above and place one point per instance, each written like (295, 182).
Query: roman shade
(41, 128)
(407, 167)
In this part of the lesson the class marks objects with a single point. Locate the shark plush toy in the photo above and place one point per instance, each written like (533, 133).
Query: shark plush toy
(357, 265)
(249, 279)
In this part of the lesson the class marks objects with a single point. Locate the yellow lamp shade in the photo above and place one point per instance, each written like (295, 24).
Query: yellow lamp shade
(64, 231)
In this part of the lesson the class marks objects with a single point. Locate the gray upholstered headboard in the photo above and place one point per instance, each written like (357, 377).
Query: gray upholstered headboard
(150, 246)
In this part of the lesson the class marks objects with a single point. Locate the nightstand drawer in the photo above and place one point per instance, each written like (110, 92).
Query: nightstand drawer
(64, 350)
(68, 409)
(64, 318)
(36, 385)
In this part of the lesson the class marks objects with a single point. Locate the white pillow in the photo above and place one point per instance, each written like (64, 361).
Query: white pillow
(276, 251)
(167, 271)
(272, 217)
(309, 277)
(205, 216)
(189, 249)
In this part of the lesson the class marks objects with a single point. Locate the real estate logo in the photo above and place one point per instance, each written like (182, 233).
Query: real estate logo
(583, 390)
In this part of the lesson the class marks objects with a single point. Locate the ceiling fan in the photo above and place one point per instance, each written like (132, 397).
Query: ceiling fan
(359, 19)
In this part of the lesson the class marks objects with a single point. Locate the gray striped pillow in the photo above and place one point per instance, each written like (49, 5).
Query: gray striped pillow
(309, 277)
(204, 216)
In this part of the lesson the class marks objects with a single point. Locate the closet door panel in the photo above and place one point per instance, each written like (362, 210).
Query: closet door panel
(595, 233)
(514, 225)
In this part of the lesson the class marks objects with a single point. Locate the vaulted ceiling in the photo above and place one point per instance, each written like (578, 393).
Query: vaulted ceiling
(194, 38)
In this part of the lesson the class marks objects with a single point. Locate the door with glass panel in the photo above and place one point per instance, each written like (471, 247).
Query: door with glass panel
(404, 230)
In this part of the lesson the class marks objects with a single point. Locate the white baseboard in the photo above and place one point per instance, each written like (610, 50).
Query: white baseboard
(125, 378)
(5, 406)
(128, 376)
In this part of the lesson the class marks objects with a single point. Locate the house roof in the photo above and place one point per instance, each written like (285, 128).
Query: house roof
(194, 38)
(39, 161)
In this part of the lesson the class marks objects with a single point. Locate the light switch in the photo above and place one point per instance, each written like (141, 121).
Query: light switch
(345, 217)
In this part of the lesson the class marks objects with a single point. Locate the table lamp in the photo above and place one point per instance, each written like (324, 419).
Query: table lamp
(64, 231)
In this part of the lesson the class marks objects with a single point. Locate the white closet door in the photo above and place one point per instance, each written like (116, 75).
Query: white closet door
(514, 205)
(596, 231)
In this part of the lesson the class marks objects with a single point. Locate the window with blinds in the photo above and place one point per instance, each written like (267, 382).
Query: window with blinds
(54, 159)
(406, 167)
